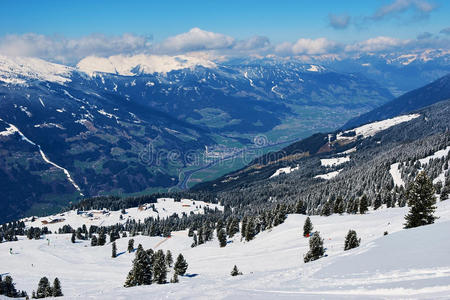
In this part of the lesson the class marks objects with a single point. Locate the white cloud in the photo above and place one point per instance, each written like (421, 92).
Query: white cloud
(421, 8)
(196, 39)
(376, 44)
(307, 46)
(65, 50)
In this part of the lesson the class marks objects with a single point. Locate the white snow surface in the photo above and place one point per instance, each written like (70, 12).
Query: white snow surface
(373, 128)
(396, 175)
(331, 162)
(406, 264)
(329, 175)
(285, 170)
(147, 64)
(19, 70)
(436, 155)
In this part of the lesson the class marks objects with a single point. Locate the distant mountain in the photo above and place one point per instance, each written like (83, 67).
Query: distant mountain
(130, 126)
(434, 92)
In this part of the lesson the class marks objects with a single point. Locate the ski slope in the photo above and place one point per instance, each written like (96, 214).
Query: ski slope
(406, 264)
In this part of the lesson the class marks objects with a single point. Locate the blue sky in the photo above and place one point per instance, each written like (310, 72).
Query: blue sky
(279, 21)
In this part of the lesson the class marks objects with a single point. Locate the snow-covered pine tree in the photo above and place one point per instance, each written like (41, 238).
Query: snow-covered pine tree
(44, 289)
(316, 249)
(378, 202)
(169, 258)
(159, 267)
(420, 196)
(141, 272)
(180, 265)
(222, 237)
(234, 227)
(363, 205)
(307, 227)
(102, 238)
(56, 289)
(174, 278)
(195, 241)
(72, 239)
(250, 229)
(351, 240)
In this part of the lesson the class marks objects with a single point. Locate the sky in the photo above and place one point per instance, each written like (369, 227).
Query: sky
(66, 31)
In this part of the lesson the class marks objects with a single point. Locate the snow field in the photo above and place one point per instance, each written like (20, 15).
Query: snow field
(411, 263)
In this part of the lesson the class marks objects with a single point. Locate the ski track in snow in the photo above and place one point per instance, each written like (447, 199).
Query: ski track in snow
(13, 129)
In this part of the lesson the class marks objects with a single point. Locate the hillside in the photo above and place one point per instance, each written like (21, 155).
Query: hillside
(389, 266)
(436, 91)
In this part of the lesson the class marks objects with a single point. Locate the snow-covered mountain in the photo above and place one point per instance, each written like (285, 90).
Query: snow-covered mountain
(108, 125)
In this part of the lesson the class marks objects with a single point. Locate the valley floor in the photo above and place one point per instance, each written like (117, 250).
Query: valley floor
(404, 264)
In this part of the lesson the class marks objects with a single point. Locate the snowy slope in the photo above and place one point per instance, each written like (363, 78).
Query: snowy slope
(19, 70)
(409, 264)
(165, 207)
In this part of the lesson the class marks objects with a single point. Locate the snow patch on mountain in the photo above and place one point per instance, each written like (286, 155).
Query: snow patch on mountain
(396, 176)
(140, 64)
(21, 70)
(285, 170)
(371, 129)
(329, 175)
(332, 162)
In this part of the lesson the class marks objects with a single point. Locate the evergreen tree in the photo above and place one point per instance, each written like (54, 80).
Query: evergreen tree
(56, 290)
(250, 229)
(169, 258)
(378, 202)
(234, 227)
(159, 268)
(222, 237)
(307, 227)
(235, 271)
(44, 289)
(141, 272)
(326, 209)
(114, 250)
(316, 250)
(300, 207)
(191, 232)
(94, 241)
(73, 238)
(180, 265)
(174, 278)
(102, 238)
(339, 207)
(363, 205)
(420, 196)
(130, 245)
(351, 240)
(200, 236)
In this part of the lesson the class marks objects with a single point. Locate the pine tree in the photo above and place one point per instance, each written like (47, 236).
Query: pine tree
(73, 238)
(169, 258)
(141, 272)
(300, 207)
(234, 227)
(250, 229)
(351, 240)
(195, 242)
(326, 209)
(102, 238)
(316, 250)
(235, 271)
(191, 232)
(363, 205)
(56, 290)
(307, 227)
(222, 237)
(420, 196)
(130, 245)
(94, 241)
(180, 265)
(114, 250)
(174, 278)
(44, 289)
(200, 236)
(159, 268)
(378, 202)
(338, 207)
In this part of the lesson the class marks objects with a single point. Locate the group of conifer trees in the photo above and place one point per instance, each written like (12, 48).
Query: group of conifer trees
(152, 267)
(45, 290)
